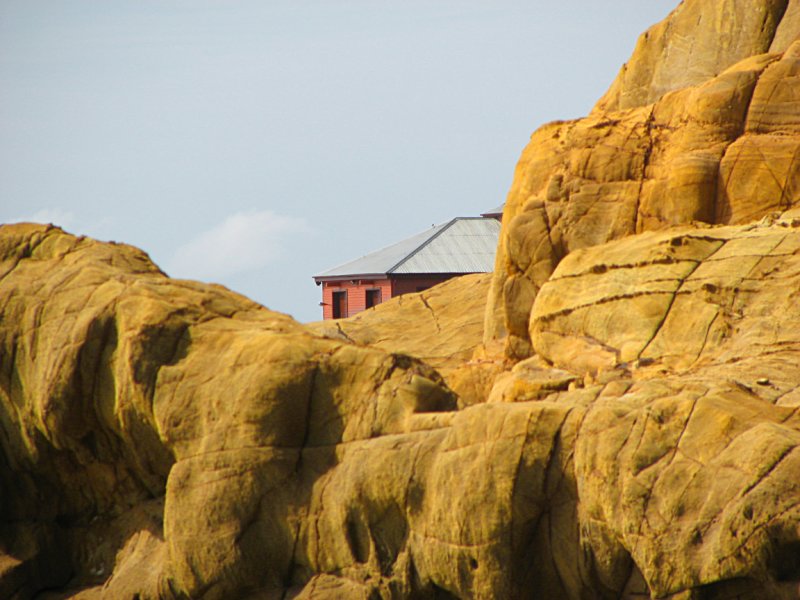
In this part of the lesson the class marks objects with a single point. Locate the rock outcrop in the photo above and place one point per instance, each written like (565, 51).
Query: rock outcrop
(442, 326)
(165, 438)
(629, 427)
(698, 41)
(655, 153)
(446, 330)
(169, 439)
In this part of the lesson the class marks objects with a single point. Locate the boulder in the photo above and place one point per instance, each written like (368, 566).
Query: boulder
(169, 439)
(720, 152)
(442, 326)
(698, 41)
(628, 428)
(168, 427)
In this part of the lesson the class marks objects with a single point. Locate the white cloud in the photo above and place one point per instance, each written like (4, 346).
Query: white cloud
(245, 241)
(57, 216)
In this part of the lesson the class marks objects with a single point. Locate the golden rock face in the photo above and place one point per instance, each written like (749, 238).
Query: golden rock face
(443, 325)
(618, 420)
(700, 126)
(186, 416)
(173, 439)
(698, 41)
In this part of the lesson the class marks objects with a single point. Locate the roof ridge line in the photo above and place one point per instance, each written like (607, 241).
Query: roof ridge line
(423, 244)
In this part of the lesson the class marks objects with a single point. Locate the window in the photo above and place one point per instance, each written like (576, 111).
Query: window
(373, 297)
(340, 304)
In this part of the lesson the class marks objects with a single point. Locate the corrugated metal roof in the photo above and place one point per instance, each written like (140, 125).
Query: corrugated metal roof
(463, 245)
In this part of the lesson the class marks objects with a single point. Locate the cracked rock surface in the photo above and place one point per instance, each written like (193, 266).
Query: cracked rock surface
(429, 325)
(627, 429)
(701, 125)
(170, 439)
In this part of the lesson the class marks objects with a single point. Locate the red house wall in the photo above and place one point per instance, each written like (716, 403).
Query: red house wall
(356, 294)
(357, 290)
(410, 284)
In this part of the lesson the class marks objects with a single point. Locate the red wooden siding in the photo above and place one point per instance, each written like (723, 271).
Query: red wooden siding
(389, 288)
(416, 283)
(356, 294)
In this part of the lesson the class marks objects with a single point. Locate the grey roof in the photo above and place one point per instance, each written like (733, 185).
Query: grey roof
(463, 245)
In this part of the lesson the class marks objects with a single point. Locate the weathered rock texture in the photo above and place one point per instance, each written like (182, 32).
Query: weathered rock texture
(442, 326)
(655, 153)
(697, 42)
(170, 439)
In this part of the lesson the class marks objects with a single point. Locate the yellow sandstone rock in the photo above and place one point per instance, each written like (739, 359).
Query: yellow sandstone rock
(685, 135)
(170, 439)
(698, 41)
(442, 326)
(108, 407)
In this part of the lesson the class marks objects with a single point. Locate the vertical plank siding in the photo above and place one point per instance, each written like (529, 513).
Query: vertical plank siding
(356, 294)
(357, 290)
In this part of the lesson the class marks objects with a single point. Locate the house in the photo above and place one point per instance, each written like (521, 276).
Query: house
(460, 246)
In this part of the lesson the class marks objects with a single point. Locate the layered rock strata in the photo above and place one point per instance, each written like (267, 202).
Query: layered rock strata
(443, 325)
(655, 153)
(638, 438)
(164, 438)
(168, 439)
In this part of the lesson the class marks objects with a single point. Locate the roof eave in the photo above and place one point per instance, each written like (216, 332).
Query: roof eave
(349, 277)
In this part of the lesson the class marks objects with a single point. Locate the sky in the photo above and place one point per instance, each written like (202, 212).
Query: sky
(256, 143)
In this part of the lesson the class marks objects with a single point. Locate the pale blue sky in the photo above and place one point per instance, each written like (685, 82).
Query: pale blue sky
(256, 143)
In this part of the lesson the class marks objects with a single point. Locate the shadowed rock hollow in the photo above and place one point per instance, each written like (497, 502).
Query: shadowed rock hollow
(629, 427)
